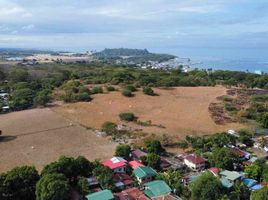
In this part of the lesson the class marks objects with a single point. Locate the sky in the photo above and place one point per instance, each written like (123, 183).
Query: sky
(205, 28)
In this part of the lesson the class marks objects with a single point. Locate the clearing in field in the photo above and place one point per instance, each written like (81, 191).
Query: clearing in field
(39, 136)
(182, 110)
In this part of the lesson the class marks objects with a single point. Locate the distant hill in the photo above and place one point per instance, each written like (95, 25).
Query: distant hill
(135, 56)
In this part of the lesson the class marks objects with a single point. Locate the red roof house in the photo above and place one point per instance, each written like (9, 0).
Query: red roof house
(242, 154)
(117, 164)
(215, 171)
(137, 154)
(131, 194)
(135, 164)
(194, 162)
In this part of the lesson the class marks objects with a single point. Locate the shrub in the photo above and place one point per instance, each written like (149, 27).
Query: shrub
(84, 89)
(127, 117)
(148, 91)
(82, 97)
(230, 107)
(127, 93)
(109, 128)
(97, 90)
(110, 88)
(132, 88)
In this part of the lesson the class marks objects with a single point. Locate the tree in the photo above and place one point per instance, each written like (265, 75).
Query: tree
(206, 187)
(152, 160)
(127, 117)
(241, 192)
(109, 128)
(83, 187)
(254, 171)
(19, 75)
(22, 98)
(223, 158)
(264, 120)
(148, 91)
(19, 183)
(261, 194)
(53, 187)
(173, 178)
(104, 176)
(70, 167)
(245, 137)
(42, 98)
(83, 166)
(123, 150)
(154, 146)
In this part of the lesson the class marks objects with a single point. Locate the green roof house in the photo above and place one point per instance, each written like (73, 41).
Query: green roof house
(156, 188)
(144, 174)
(102, 195)
(230, 175)
(226, 183)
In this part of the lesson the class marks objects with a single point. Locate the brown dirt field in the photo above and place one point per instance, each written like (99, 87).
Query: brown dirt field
(50, 134)
(182, 110)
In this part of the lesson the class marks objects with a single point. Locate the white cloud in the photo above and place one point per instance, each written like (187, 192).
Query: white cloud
(10, 11)
(28, 27)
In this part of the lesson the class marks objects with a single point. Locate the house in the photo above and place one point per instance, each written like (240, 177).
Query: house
(92, 182)
(233, 133)
(231, 176)
(250, 161)
(131, 194)
(167, 197)
(144, 174)
(215, 171)
(135, 164)
(194, 162)
(249, 182)
(102, 195)
(156, 188)
(137, 154)
(164, 164)
(190, 179)
(117, 164)
(226, 183)
(242, 154)
(122, 181)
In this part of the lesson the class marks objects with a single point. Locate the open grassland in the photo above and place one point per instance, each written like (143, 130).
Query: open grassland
(181, 110)
(39, 136)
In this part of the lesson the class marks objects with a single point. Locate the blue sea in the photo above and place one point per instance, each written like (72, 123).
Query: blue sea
(241, 59)
(232, 64)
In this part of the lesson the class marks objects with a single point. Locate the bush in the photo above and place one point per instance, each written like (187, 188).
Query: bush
(230, 107)
(148, 91)
(97, 90)
(127, 117)
(132, 88)
(127, 93)
(82, 97)
(110, 88)
(84, 89)
(109, 128)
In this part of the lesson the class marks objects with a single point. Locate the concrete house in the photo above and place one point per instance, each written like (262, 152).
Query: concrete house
(117, 164)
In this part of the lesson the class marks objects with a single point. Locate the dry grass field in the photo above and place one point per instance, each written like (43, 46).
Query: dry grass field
(181, 110)
(39, 136)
